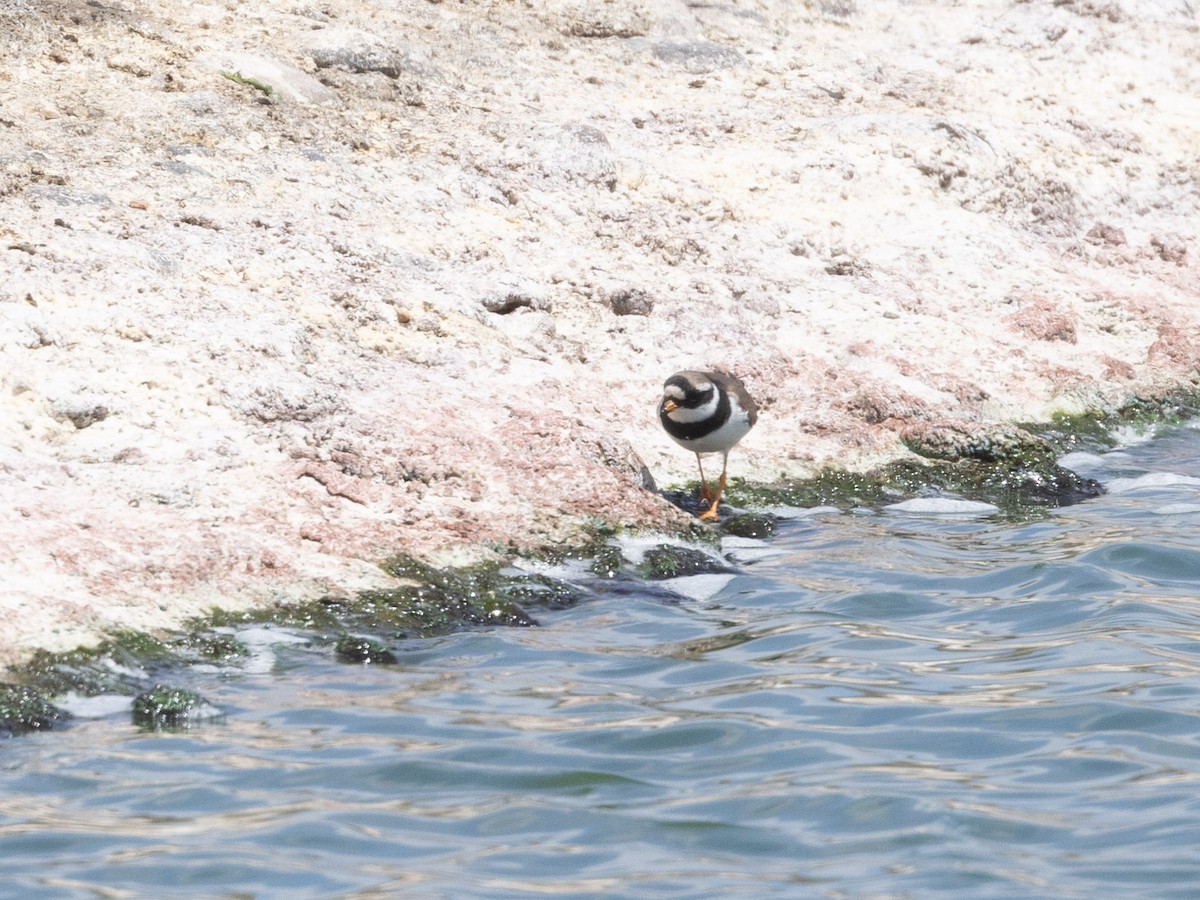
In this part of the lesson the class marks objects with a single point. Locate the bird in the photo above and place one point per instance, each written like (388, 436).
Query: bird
(707, 412)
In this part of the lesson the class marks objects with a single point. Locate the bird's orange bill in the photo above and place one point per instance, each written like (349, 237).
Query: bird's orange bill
(670, 406)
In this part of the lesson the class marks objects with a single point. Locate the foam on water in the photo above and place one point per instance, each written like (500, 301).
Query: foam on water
(98, 707)
(698, 587)
(1126, 437)
(634, 547)
(261, 641)
(801, 512)
(942, 506)
(569, 570)
(744, 550)
(1084, 462)
(1150, 481)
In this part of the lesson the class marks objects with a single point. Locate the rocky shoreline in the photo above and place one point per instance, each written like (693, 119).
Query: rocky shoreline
(290, 290)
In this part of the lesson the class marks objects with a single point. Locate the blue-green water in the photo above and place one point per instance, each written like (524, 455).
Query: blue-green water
(875, 704)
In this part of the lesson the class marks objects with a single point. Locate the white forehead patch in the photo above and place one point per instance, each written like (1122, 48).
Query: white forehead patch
(673, 391)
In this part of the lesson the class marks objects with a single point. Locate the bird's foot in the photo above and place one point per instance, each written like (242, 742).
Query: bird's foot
(714, 500)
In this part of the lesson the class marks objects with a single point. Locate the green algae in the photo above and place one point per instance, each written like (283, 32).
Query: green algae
(1011, 468)
(607, 561)
(24, 709)
(210, 647)
(428, 601)
(1014, 467)
(750, 525)
(1094, 429)
(1018, 489)
(364, 651)
(675, 561)
(109, 667)
(169, 708)
(259, 85)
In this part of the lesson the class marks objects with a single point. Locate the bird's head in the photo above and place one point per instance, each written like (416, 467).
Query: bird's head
(684, 393)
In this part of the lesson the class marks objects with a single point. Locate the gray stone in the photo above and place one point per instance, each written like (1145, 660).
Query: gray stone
(360, 51)
(283, 78)
(697, 57)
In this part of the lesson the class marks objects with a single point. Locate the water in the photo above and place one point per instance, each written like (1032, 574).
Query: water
(877, 704)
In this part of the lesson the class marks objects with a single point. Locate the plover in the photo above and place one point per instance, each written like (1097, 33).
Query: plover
(707, 412)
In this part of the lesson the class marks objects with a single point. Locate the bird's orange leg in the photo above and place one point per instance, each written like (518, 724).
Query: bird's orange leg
(705, 493)
(710, 514)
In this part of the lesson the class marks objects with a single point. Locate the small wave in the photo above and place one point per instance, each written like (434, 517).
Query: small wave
(942, 506)
(742, 550)
(635, 547)
(98, 707)
(1176, 509)
(698, 587)
(800, 512)
(1083, 461)
(1150, 480)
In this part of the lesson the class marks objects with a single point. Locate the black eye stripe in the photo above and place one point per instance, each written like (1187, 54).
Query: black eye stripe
(692, 395)
(692, 399)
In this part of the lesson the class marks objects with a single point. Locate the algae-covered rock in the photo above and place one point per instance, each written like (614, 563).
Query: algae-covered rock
(996, 443)
(118, 665)
(671, 561)
(607, 562)
(168, 707)
(210, 647)
(519, 591)
(427, 601)
(24, 709)
(481, 595)
(363, 651)
(1096, 428)
(750, 525)
(1004, 465)
(827, 487)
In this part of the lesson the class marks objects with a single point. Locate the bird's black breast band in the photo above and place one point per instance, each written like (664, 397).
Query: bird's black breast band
(691, 431)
